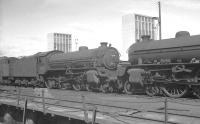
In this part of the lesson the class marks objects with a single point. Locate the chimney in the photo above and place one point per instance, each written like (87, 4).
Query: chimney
(145, 38)
(103, 44)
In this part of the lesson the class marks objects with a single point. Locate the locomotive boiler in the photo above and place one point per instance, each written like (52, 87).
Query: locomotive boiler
(173, 64)
(103, 56)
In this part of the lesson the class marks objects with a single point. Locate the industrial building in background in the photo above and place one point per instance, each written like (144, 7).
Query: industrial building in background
(134, 26)
(60, 41)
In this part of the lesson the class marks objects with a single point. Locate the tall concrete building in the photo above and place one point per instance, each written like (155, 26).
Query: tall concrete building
(134, 26)
(60, 41)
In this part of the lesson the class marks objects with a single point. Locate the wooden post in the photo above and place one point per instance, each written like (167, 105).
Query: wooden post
(166, 118)
(43, 101)
(85, 110)
(24, 113)
(94, 115)
(18, 95)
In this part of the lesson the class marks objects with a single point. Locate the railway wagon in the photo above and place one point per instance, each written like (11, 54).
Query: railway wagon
(73, 69)
(173, 64)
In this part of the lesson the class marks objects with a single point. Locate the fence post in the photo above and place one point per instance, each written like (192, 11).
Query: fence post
(18, 95)
(84, 108)
(24, 113)
(166, 116)
(43, 101)
(94, 115)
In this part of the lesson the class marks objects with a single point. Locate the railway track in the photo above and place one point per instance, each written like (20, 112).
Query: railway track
(121, 108)
(188, 100)
(138, 95)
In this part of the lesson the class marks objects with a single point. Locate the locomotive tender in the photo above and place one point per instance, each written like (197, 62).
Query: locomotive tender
(169, 66)
(25, 71)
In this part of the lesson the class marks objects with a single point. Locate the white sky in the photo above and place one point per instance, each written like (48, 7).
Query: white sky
(24, 24)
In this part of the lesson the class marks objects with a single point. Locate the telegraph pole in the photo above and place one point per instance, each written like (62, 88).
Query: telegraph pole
(159, 21)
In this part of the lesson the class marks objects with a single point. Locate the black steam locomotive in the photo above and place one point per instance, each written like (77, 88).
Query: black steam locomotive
(56, 69)
(169, 66)
(173, 65)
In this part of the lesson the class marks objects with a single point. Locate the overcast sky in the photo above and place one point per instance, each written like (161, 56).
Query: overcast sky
(24, 24)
